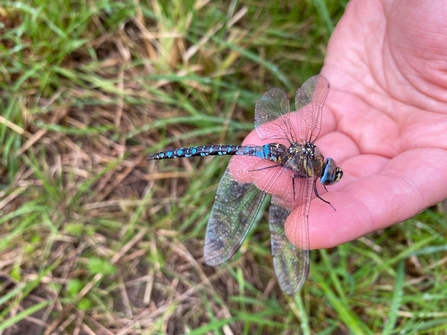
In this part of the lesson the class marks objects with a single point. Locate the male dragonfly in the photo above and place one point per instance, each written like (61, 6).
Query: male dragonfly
(300, 163)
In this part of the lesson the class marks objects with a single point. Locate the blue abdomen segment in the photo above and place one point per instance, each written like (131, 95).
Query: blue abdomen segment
(204, 150)
(272, 151)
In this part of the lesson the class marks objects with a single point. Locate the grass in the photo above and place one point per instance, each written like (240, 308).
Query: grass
(96, 240)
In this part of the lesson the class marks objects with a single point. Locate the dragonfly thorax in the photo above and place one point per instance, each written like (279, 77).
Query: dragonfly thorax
(306, 161)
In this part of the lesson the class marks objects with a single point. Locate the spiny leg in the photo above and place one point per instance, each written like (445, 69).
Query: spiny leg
(318, 196)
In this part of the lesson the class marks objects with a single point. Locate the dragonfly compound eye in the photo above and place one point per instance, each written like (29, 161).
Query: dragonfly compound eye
(331, 173)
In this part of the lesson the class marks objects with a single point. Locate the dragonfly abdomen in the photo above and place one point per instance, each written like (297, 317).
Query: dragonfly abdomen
(204, 150)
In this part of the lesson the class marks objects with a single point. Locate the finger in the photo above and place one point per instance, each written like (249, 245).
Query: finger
(405, 186)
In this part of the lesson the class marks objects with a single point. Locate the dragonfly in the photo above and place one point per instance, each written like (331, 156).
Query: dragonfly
(288, 169)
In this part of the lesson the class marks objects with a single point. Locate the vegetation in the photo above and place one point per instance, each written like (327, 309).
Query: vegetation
(94, 240)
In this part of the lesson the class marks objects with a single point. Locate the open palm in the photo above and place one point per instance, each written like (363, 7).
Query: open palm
(385, 119)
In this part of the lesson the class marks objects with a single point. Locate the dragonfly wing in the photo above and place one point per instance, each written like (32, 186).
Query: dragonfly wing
(291, 262)
(309, 101)
(234, 211)
(272, 116)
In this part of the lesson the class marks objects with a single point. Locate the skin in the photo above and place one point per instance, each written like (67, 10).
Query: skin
(384, 121)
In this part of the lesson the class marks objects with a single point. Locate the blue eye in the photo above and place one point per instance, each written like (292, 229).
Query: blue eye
(331, 173)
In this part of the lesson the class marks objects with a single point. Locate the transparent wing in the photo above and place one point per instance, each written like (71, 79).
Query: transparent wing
(234, 211)
(309, 101)
(291, 262)
(237, 204)
(272, 116)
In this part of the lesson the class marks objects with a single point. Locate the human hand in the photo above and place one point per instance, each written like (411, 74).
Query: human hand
(384, 121)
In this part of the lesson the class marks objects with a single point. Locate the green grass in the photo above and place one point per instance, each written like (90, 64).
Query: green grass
(93, 238)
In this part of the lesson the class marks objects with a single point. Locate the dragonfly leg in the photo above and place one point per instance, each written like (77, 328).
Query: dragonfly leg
(318, 196)
(293, 186)
(265, 168)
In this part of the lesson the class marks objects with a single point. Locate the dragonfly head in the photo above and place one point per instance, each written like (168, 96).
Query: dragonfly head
(331, 173)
